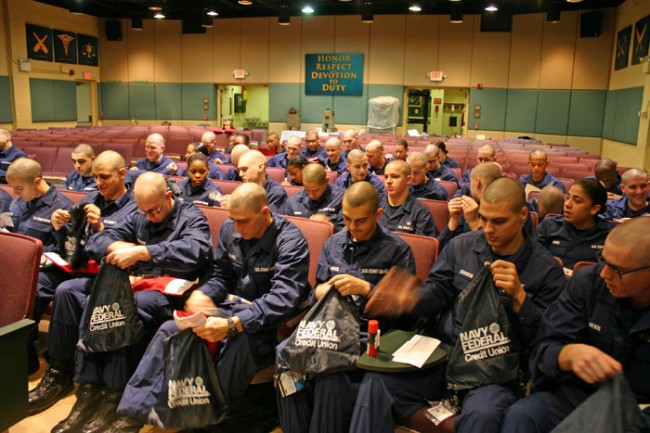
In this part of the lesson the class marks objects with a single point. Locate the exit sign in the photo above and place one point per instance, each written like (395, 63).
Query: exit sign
(437, 101)
(436, 76)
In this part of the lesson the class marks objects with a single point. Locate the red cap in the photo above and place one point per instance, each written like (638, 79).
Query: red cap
(373, 326)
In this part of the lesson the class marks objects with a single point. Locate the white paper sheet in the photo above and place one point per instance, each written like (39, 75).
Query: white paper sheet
(416, 351)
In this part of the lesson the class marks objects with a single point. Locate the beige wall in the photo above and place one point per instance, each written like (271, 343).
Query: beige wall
(633, 76)
(399, 50)
(16, 14)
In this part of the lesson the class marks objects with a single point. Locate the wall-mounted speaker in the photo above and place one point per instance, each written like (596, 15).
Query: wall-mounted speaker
(113, 30)
(591, 24)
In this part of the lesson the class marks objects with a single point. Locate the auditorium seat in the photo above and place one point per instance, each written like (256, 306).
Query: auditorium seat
(44, 155)
(439, 211)
(316, 233)
(292, 189)
(275, 173)
(75, 196)
(425, 251)
(449, 186)
(216, 216)
(227, 186)
(62, 164)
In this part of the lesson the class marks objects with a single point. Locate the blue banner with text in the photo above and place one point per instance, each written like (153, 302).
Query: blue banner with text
(334, 74)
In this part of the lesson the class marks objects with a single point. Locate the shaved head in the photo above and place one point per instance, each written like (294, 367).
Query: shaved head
(538, 153)
(314, 174)
(417, 160)
(250, 197)
(237, 152)
(149, 185)
(488, 172)
(550, 200)
(86, 149)
(375, 146)
(402, 166)
(110, 160)
(635, 236)
(24, 169)
(253, 157)
(361, 193)
(356, 155)
(505, 189)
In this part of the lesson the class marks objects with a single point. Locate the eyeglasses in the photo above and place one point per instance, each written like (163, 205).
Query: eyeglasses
(615, 269)
(153, 212)
(312, 141)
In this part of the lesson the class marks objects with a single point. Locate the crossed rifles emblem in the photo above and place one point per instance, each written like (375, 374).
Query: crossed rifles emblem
(40, 44)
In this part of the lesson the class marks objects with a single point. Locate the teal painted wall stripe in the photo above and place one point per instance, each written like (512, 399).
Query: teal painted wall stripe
(522, 110)
(621, 120)
(553, 112)
(347, 109)
(586, 113)
(6, 110)
(53, 100)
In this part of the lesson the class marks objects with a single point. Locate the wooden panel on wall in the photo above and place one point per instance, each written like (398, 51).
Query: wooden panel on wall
(593, 57)
(167, 55)
(4, 67)
(196, 57)
(114, 55)
(141, 53)
(420, 49)
(526, 48)
(225, 50)
(386, 54)
(255, 48)
(558, 49)
(455, 45)
(627, 14)
(490, 57)
(285, 44)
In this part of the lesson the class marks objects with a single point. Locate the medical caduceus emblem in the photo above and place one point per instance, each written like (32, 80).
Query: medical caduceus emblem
(40, 44)
(65, 39)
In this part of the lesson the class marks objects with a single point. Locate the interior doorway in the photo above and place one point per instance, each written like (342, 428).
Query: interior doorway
(437, 111)
(246, 105)
(84, 104)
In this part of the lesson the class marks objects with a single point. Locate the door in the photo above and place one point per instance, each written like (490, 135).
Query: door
(84, 104)
(247, 106)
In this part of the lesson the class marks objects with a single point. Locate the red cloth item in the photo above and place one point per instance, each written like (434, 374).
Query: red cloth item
(167, 285)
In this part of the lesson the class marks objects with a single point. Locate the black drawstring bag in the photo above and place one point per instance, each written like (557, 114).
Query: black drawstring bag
(191, 396)
(76, 238)
(326, 340)
(612, 409)
(110, 320)
(485, 351)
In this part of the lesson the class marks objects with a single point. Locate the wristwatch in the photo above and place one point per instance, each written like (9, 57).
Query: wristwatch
(232, 328)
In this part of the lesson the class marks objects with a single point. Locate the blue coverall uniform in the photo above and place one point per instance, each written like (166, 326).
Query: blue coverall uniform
(345, 181)
(6, 158)
(482, 408)
(320, 154)
(449, 162)
(444, 173)
(279, 160)
(410, 217)
(32, 218)
(180, 246)
(546, 180)
(276, 195)
(111, 211)
(76, 182)
(563, 240)
(156, 167)
(208, 194)
(300, 205)
(585, 313)
(327, 408)
(339, 167)
(272, 273)
(5, 200)
(431, 189)
(214, 172)
(218, 155)
(232, 174)
(617, 209)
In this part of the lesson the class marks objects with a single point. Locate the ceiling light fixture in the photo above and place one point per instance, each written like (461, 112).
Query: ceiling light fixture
(245, 2)
(76, 8)
(206, 21)
(367, 15)
(284, 17)
(159, 15)
(212, 13)
(456, 15)
(156, 5)
(573, 1)
(553, 12)
(415, 8)
(137, 23)
(308, 10)
(491, 7)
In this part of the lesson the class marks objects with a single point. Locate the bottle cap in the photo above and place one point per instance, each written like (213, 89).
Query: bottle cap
(373, 326)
